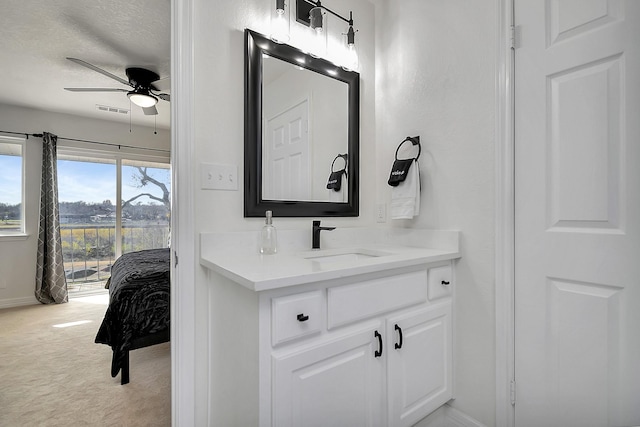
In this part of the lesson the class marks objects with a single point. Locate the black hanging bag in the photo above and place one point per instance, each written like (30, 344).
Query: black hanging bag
(399, 171)
(335, 178)
(400, 168)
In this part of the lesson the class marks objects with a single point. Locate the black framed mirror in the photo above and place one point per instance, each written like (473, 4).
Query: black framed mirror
(311, 106)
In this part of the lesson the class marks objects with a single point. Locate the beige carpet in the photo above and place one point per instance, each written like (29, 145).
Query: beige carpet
(57, 376)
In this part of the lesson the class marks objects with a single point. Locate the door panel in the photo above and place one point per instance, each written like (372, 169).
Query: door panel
(571, 18)
(577, 254)
(584, 146)
(286, 155)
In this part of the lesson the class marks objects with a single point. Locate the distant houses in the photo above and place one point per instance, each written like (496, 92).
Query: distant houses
(86, 218)
(74, 218)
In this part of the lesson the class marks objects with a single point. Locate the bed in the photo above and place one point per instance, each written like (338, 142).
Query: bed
(138, 311)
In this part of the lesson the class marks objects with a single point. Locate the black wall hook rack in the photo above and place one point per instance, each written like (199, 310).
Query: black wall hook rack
(415, 140)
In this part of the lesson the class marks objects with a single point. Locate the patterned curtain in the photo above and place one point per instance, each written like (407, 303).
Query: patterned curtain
(51, 283)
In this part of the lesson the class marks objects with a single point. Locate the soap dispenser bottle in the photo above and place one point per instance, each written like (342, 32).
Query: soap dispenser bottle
(268, 237)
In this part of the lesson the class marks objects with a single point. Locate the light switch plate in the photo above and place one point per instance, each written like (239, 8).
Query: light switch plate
(219, 177)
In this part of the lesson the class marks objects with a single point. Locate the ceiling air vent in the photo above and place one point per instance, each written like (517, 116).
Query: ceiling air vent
(108, 109)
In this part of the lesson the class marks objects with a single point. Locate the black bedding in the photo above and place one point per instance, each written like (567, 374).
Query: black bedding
(138, 311)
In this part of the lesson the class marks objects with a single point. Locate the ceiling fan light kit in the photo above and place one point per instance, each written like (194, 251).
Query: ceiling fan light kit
(140, 80)
(142, 98)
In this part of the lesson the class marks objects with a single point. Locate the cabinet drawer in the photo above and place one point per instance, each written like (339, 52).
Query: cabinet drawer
(295, 316)
(370, 298)
(440, 282)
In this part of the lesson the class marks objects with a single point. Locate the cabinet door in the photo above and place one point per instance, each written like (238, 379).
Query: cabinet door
(419, 363)
(335, 384)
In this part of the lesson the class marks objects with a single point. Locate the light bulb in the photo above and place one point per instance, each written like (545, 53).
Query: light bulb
(280, 22)
(315, 19)
(351, 61)
(318, 38)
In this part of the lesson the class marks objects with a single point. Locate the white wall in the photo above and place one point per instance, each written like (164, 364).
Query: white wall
(219, 136)
(18, 257)
(429, 73)
(219, 106)
(435, 73)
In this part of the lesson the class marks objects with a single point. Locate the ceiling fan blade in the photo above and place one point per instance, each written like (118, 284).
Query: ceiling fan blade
(99, 70)
(150, 111)
(94, 89)
(164, 96)
(163, 84)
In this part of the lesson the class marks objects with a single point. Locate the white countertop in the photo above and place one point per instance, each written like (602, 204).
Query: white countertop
(235, 255)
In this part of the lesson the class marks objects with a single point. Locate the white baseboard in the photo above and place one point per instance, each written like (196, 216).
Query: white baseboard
(446, 416)
(17, 302)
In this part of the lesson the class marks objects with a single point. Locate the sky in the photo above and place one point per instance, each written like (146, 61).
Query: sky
(10, 179)
(80, 181)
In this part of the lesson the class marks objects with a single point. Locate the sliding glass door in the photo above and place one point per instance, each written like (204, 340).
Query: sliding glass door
(146, 210)
(86, 194)
(108, 207)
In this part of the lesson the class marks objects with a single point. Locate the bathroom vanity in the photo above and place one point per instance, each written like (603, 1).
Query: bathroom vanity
(357, 334)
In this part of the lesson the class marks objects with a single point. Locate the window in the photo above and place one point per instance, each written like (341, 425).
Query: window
(11, 186)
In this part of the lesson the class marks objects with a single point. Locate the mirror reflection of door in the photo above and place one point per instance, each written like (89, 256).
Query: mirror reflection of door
(286, 155)
(289, 172)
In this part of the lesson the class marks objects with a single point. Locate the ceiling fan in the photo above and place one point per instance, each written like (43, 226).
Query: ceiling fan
(144, 93)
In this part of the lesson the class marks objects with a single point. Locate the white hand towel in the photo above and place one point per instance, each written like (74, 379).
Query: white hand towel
(405, 198)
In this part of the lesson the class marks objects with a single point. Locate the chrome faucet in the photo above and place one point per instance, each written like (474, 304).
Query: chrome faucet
(316, 234)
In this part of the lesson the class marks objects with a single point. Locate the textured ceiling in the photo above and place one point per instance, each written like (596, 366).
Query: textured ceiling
(37, 35)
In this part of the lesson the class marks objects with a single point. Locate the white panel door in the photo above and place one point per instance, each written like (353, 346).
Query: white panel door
(577, 254)
(286, 155)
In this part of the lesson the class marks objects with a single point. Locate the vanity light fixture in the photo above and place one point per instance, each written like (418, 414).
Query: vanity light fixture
(142, 98)
(280, 22)
(315, 18)
(351, 61)
(318, 41)
(310, 12)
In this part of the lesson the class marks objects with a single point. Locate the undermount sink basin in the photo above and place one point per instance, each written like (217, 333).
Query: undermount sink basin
(342, 255)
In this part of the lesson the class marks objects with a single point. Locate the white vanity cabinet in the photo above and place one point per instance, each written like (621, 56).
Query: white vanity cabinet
(367, 350)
